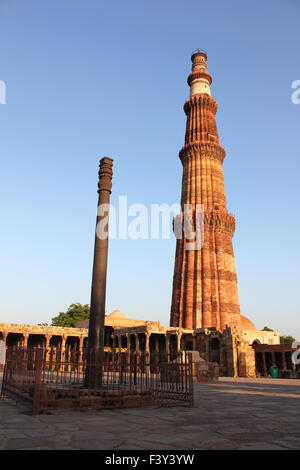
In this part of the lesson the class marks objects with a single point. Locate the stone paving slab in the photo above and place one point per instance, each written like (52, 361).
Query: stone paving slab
(245, 414)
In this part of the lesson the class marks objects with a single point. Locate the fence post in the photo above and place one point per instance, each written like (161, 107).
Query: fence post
(37, 384)
(134, 369)
(191, 380)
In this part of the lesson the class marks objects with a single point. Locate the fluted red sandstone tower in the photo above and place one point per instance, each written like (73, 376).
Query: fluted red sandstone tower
(205, 292)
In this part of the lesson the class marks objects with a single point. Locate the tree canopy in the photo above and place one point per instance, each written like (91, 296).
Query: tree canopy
(266, 328)
(75, 313)
(286, 339)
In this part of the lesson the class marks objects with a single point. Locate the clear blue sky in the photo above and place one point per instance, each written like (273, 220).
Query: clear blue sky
(92, 78)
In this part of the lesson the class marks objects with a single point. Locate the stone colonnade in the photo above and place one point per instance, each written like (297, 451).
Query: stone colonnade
(69, 344)
(53, 339)
(154, 341)
(47, 337)
(269, 355)
(65, 340)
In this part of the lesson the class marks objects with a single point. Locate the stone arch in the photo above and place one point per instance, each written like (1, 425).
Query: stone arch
(256, 341)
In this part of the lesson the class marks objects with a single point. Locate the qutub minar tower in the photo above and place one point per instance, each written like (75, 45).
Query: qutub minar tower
(205, 292)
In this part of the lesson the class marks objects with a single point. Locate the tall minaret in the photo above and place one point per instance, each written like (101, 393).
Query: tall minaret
(205, 292)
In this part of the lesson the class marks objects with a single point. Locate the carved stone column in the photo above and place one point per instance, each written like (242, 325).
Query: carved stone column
(284, 361)
(147, 351)
(47, 347)
(157, 344)
(80, 354)
(4, 336)
(168, 346)
(128, 343)
(147, 343)
(137, 342)
(178, 335)
(157, 354)
(273, 358)
(63, 348)
(264, 363)
(25, 339)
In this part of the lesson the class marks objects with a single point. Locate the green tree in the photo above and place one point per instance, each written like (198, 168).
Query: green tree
(286, 339)
(266, 328)
(74, 314)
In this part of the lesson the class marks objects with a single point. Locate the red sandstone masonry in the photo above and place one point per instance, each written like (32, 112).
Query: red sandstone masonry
(205, 292)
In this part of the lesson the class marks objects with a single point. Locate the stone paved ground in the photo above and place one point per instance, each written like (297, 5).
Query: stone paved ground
(230, 414)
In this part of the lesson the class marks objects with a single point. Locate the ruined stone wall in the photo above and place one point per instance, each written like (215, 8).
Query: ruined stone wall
(246, 360)
(233, 356)
(263, 337)
(41, 330)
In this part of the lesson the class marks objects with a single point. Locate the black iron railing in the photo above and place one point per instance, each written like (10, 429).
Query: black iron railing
(45, 379)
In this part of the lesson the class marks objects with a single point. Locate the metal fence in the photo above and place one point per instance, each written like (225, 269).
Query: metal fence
(45, 380)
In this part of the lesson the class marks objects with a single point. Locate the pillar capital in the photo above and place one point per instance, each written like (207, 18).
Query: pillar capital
(105, 174)
(48, 339)
(128, 342)
(25, 339)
